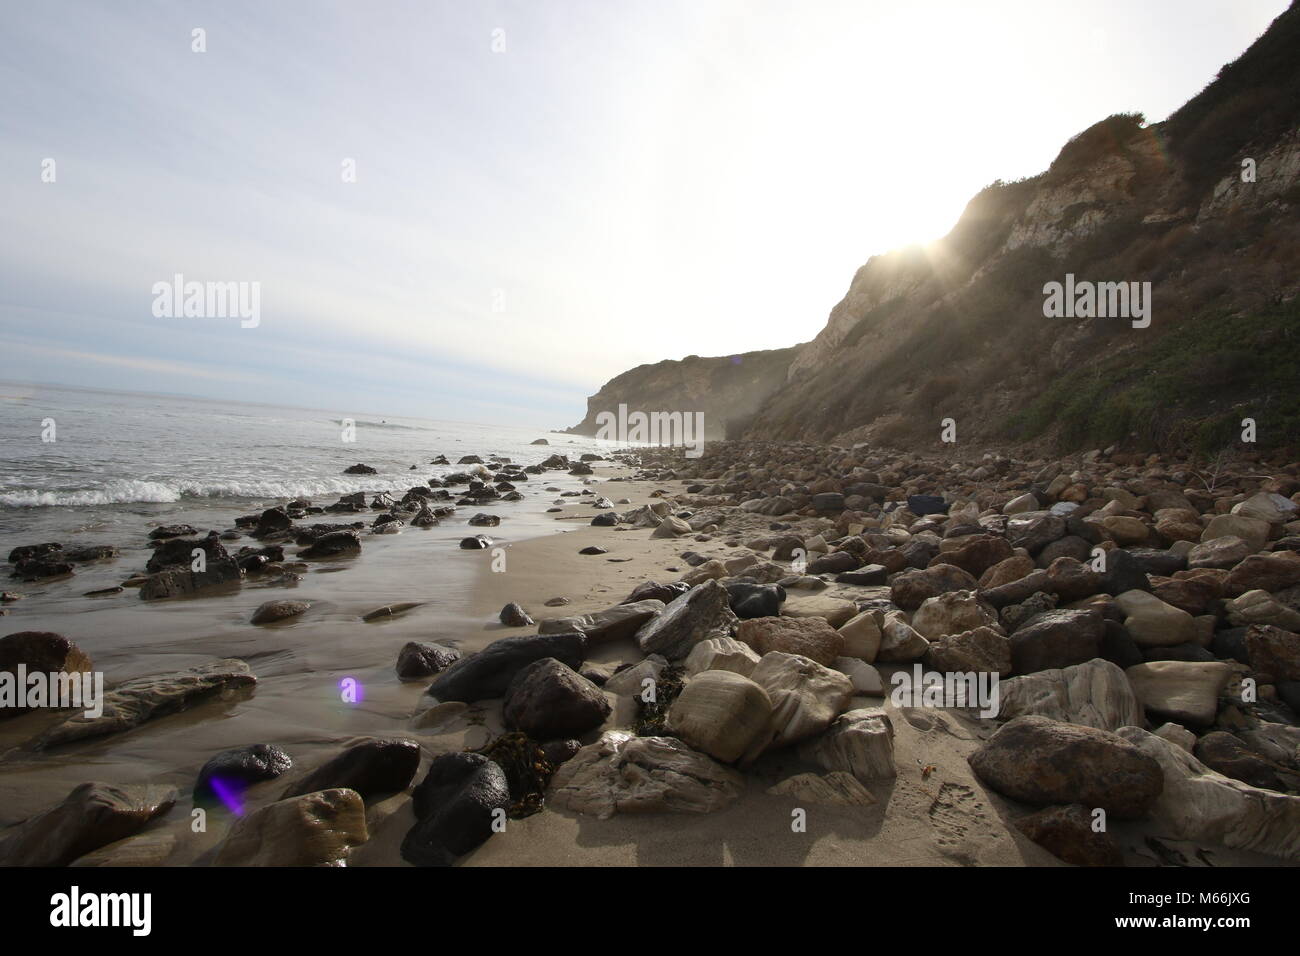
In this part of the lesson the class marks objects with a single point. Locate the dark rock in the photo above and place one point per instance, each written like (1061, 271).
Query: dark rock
(171, 531)
(333, 544)
(1041, 762)
(93, 815)
(1123, 573)
(546, 699)
(456, 804)
(233, 771)
(910, 589)
(594, 549)
(488, 673)
(606, 520)
(512, 615)
(482, 520)
(278, 611)
(653, 590)
(868, 575)
(1227, 754)
(834, 562)
(701, 613)
(922, 505)
(372, 768)
(419, 659)
(476, 543)
(1056, 639)
(1066, 832)
(360, 469)
(755, 600)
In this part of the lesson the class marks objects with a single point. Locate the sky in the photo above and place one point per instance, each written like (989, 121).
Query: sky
(482, 210)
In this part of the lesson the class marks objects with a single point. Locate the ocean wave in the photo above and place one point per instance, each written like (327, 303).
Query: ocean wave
(135, 491)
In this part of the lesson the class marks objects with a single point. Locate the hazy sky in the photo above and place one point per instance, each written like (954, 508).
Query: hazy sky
(626, 181)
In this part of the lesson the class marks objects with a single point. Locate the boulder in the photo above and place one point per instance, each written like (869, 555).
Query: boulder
(862, 635)
(899, 641)
(721, 654)
(547, 700)
(39, 652)
(811, 637)
(630, 681)
(625, 774)
(1056, 639)
(1093, 694)
(1153, 623)
(1186, 692)
(133, 702)
(419, 659)
(981, 649)
(316, 829)
(1066, 832)
(701, 613)
(859, 742)
(1041, 762)
(233, 771)
(952, 613)
(722, 714)
(372, 768)
(272, 611)
(805, 696)
(489, 672)
(1274, 653)
(93, 815)
(1198, 804)
(910, 589)
(622, 621)
(456, 806)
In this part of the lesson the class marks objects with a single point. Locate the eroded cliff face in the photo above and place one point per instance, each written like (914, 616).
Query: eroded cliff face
(957, 330)
(727, 390)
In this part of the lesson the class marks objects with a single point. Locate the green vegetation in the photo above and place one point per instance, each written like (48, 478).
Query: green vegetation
(1188, 390)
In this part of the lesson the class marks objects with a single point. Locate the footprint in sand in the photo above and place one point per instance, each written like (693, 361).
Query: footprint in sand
(960, 822)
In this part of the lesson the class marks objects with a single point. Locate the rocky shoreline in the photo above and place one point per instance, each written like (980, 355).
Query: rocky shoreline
(1138, 618)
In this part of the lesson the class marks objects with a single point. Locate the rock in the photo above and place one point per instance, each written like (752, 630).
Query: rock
(630, 682)
(1093, 694)
(389, 610)
(1258, 607)
(557, 752)
(1124, 530)
(1274, 653)
(272, 611)
(833, 789)
(455, 807)
(910, 589)
(133, 702)
(625, 774)
(482, 520)
(755, 600)
(921, 505)
(834, 611)
(476, 543)
(979, 650)
(488, 673)
(606, 520)
(865, 678)
(359, 469)
(1200, 805)
(653, 591)
(167, 531)
(1035, 530)
(512, 615)
(975, 554)
(721, 654)
(805, 696)
(1152, 622)
(93, 815)
(1251, 530)
(1182, 691)
(42, 652)
(1271, 508)
(1020, 504)
(899, 641)
(1269, 572)
(833, 563)
(722, 714)
(702, 613)
(1228, 755)
(316, 829)
(1226, 552)
(811, 637)
(868, 575)
(231, 772)
(1056, 639)
(1040, 761)
(612, 624)
(436, 718)
(547, 700)
(952, 613)
(373, 768)
(859, 742)
(1175, 734)
(333, 544)
(671, 527)
(419, 659)
(1066, 832)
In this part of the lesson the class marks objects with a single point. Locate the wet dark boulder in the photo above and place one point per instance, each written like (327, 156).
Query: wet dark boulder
(372, 768)
(418, 659)
(461, 802)
(488, 673)
(231, 772)
(547, 699)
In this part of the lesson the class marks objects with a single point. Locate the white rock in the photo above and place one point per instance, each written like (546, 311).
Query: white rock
(862, 635)
(952, 613)
(1094, 694)
(899, 641)
(805, 696)
(630, 682)
(860, 742)
(1183, 691)
(721, 654)
(1201, 805)
(1152, 622)
(722, 714)
(1266, 507)
(1259, 607)
(866, 679)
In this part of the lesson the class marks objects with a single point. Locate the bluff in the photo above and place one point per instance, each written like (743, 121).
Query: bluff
(728, 389)
(1203, 206)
